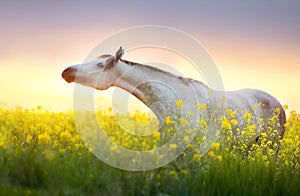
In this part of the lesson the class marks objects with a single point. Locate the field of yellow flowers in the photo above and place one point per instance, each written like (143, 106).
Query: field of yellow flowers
(41, 153)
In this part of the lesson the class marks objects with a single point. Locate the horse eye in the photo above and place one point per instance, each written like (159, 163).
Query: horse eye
(100, 65)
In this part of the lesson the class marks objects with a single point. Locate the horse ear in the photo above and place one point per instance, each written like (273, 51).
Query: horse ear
(119, 53)
(109, 63)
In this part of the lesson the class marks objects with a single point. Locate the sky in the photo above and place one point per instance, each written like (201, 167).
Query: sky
(255, 44)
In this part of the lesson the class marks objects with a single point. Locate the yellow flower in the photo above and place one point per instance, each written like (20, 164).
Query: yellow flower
(251, 128)
(44, 138)
(62, 150)
(172, 146)
(179, 103)
(157, 135)
(184, 171)
(168, 120)
(228, 138)
(269, 143)
(285, 107)
(264, 134)
(65, 135)
(190, 146)
(174, 174)
(230, 113)
(261, 105)
(29, 138)
(2, 145)
(196, 157)
(234, 122)
(219, 158)
(216, 146)
(226, 124)
(183, 121)
(211, 154)
(186, 138)
(247, 116)
(277, 111)
(201, 107)
(202, 123)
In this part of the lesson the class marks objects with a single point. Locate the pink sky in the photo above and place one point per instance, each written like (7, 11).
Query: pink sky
(254, 44)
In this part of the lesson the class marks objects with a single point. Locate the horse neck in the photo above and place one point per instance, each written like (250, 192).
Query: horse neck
(157, 89)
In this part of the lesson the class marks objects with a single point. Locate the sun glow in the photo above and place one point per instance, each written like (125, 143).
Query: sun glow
(33, 80)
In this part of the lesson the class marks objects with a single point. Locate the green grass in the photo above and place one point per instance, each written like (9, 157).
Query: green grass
(28, 172)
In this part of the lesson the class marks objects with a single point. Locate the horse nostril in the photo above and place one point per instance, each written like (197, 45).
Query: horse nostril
(69, 69)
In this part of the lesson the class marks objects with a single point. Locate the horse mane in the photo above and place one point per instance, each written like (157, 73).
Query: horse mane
(184, 80)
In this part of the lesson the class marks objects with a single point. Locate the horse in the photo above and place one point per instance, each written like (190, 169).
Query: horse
(161, 90)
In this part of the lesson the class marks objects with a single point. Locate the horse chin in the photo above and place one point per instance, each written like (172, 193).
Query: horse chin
(69, 80)
(102, 88)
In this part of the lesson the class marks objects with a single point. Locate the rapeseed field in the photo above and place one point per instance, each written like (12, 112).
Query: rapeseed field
(42, 153)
